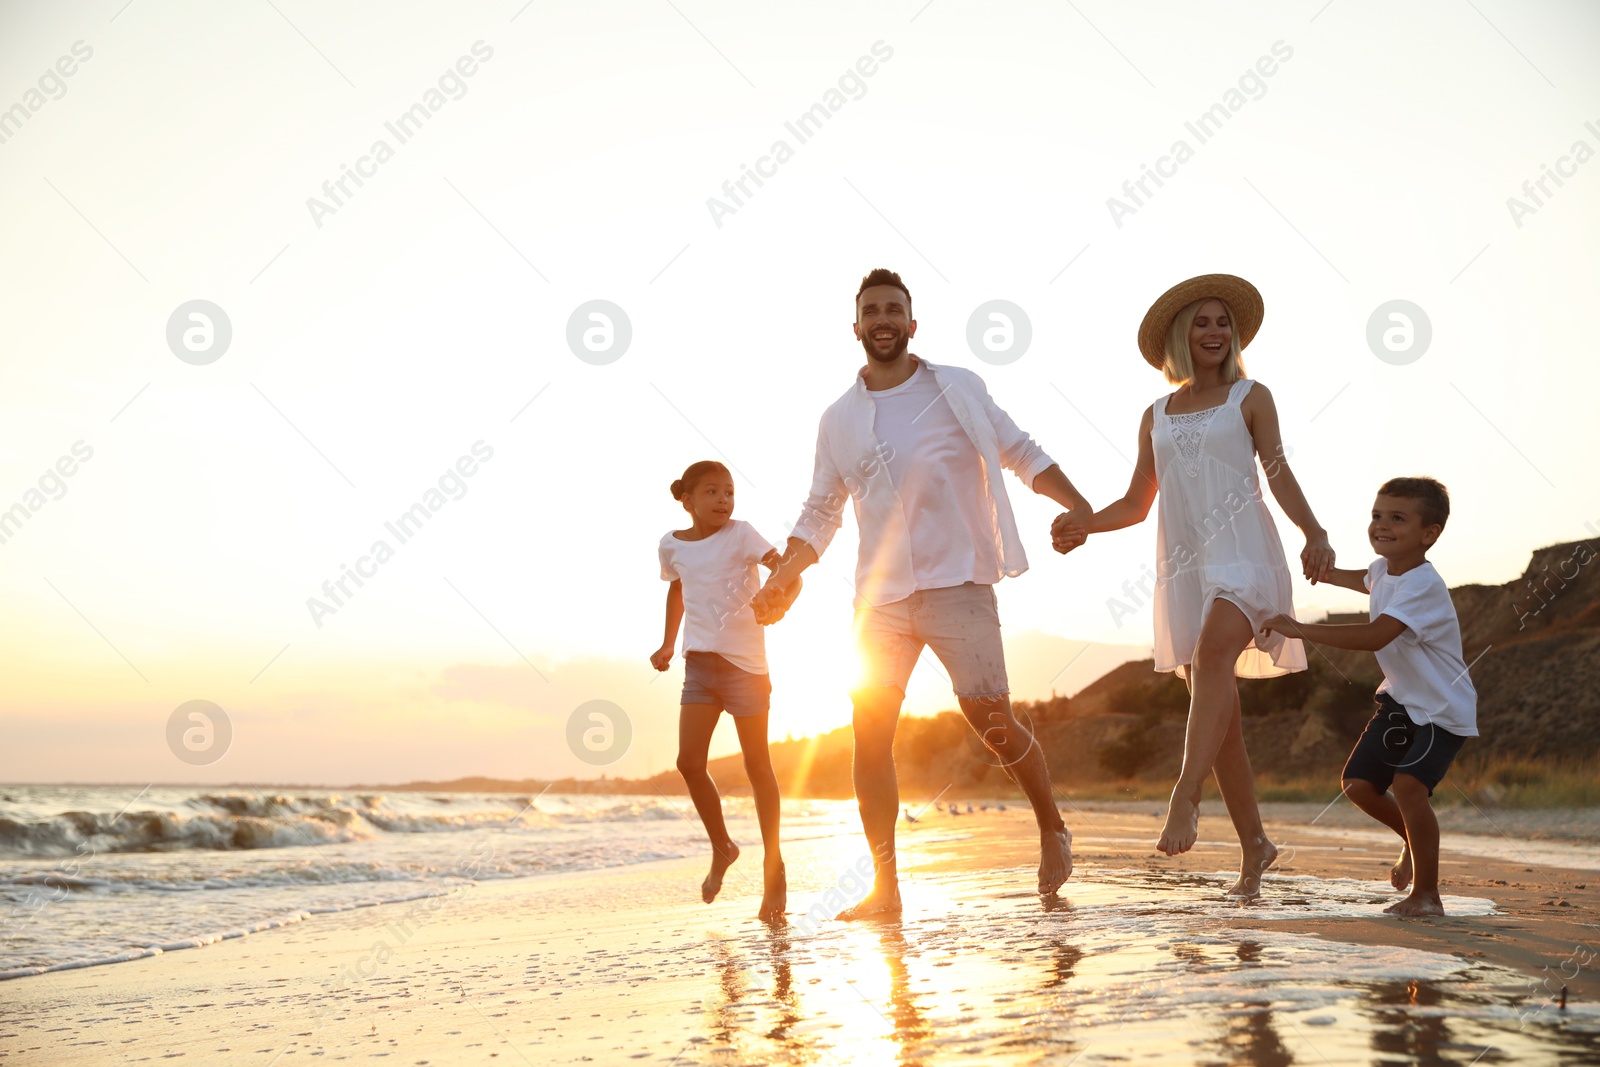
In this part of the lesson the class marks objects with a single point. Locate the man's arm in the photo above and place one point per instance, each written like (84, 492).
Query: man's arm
(1355, 636)
(823, 512)
(1053, 483)
(1022, 455)
(820, 518)
(773, 599)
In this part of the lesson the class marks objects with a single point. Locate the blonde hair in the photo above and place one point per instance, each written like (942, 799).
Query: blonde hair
(1179, 367)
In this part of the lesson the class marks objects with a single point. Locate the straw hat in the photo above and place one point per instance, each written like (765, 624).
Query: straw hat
(1239, 295)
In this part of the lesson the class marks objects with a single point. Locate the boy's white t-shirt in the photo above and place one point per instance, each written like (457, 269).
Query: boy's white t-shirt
(1423, 667)
(720, 576)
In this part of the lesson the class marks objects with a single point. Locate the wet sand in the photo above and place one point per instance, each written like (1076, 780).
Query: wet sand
(1140, 960)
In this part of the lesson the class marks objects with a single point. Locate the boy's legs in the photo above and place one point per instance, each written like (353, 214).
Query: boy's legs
(696, 723)
(764, 787)
(1381, 806)
(1390, 747)
(1422, 837)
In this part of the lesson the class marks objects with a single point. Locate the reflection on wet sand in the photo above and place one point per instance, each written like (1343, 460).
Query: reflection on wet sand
(1131, 969)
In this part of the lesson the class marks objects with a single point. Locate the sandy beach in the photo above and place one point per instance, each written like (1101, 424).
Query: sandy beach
(1140, 960)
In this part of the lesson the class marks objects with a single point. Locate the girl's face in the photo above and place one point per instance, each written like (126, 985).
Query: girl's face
(710, 502)
(1211, 336)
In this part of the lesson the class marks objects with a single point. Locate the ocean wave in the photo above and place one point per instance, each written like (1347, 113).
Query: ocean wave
(243, 821)
(87, 833)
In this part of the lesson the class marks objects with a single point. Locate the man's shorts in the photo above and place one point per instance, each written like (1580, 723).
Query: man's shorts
(1393, 744)
(960, 623)
(710, 679)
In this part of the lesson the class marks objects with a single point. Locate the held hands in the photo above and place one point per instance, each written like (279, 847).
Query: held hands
(1282, 624)
(771, 602)
(1317, 558)
(1067, 533)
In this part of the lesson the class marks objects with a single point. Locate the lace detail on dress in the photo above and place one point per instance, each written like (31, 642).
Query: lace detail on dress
(1189, 436)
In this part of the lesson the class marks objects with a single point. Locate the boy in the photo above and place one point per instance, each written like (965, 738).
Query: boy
(1427, 707)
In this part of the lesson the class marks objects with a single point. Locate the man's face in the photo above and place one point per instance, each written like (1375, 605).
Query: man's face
(884, 325)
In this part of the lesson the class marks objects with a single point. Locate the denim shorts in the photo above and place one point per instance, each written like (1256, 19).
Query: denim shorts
(710, 679)
(1393, 744)
(960, 623)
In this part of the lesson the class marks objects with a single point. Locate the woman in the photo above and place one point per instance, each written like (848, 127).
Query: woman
(1220, 567)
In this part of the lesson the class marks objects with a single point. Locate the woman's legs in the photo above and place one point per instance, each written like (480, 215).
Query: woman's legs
(696, 723)
(1213, 700)
(764, 786)
(1238, 786)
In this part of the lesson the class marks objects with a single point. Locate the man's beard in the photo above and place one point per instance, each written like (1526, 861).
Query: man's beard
(893, 354)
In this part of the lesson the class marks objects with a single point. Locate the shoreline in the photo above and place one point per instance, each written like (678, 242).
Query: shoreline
(624, 960)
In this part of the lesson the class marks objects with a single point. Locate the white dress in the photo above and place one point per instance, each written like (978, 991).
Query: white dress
(1215, 538)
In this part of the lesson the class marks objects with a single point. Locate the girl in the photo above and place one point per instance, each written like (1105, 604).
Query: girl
(712, 568)
(1220, 567)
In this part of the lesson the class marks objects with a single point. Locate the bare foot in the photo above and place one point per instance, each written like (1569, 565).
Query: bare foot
(1259, 855)
(1182, 825)
(1055, 860)
(775, 897)
(721, 860)
(1417, 904)
(883, 901)
(1400, 873)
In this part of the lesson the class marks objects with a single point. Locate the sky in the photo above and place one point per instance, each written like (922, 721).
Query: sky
(190, 475)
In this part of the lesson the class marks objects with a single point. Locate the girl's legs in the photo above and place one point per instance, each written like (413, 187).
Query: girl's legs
(1212, 702)
(764, 785)
(696, 723)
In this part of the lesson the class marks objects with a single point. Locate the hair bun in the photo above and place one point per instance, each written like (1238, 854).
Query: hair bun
(677, 488)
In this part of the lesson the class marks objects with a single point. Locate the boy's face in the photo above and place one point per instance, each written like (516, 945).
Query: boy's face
(1396, 528)
(711, 501)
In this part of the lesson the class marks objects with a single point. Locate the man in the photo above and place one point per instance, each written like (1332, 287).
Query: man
(918, 448)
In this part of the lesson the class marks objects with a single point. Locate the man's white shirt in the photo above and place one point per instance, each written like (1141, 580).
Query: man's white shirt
(921, 462)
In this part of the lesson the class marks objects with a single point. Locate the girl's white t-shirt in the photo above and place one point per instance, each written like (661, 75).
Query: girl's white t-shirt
(1423, 667)
(720, 576)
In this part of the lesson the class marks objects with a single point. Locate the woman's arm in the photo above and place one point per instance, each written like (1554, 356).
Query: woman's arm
(1130, 509)
(661, 657)
(1261, 419)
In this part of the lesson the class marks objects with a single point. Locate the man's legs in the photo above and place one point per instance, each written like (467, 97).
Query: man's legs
(1022, 758)
(888, 651)
(961, 624)
(877, 710)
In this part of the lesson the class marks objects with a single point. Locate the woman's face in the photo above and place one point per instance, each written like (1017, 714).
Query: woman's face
(1211, 336)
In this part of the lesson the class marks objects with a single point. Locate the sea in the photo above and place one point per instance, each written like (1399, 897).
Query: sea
(100, 874)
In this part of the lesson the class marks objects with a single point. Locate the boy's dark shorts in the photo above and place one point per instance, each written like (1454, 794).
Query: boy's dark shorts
(710, 679)
(1392, 743)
